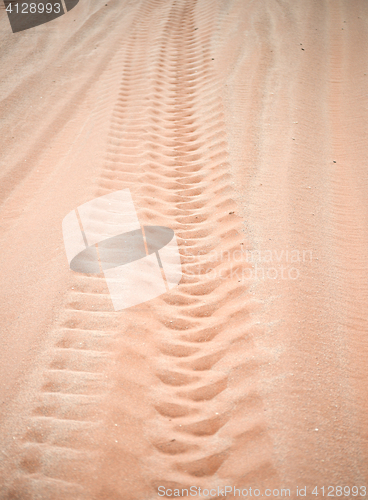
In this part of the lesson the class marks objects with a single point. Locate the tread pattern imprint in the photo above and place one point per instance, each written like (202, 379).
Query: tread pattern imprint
(164, 393)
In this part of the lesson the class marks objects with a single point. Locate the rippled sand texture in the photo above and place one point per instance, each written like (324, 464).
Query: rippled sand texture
(243, 126)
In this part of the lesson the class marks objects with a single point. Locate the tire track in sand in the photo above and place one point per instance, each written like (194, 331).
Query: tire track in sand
(165, 393)
(58, 454)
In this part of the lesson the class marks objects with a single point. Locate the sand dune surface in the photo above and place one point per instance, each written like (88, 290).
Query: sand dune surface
(243, 127)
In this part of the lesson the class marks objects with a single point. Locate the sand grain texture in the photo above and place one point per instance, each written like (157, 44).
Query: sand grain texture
(242, 126)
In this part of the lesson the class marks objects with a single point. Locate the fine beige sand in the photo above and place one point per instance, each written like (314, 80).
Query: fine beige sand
(243, 126)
